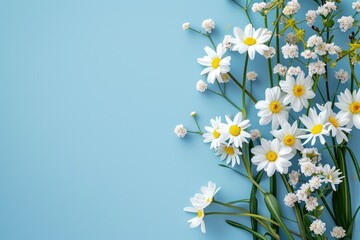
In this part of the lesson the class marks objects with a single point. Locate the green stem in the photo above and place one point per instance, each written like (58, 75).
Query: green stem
(323, 199)
(226, 98)
(243, 88)
(244, 85)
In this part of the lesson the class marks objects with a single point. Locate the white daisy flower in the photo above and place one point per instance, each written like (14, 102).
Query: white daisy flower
(339, 232)
(298, 91)
(230, 152)
(214, 64)
(271, 156)
(316, 126)
(234, 130)
(350, 103)
(318, 227)
(213, 136)
(250, 40)
(207, 194)
(199, 219)
(337, 122)
(272, 108)
(331, 175)
(289, 136)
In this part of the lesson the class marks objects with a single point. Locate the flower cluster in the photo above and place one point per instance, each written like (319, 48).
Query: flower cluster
(306, 114)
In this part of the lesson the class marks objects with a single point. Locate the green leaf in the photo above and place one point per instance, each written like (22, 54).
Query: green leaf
(273, 206)
(355, 162)
(351, 227)
(243, 227)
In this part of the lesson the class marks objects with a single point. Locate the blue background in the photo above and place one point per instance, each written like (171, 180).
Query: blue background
(90, 92)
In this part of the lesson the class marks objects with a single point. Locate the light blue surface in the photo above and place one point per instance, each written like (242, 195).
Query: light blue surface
(90, 92)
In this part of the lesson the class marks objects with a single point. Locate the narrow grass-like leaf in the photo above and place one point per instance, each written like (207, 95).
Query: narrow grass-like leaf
(243, 227)
(355, 162)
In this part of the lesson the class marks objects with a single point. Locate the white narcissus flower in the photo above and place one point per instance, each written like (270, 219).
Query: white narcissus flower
(214, 64)
(272, 108)
(250, 40)
(207, 194)
(230, 152)
(337, 122)
(318, 227)
(331, 175)
(339, 232)
(213, 136)
(234, 130)
(298, 91)
(350, 103)
(199, 219)
(201, 86)
(208, 25)
(272, 156)
(316, 126)
(289, 135)
(180, 131)
(346, 22)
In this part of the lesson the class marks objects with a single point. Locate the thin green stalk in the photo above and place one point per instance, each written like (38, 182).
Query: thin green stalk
(244, 85)
(323, 199)
(243, 88)
(226, 98)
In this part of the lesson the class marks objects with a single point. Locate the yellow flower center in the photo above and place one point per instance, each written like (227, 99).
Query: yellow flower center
(355, 107)
(250, 41)
(216, 134)
(271, 156)
(298, 90)
(235, 130)
(317, 129)
(229, 150)
(200, 213)
(275, 107)
(333, 121)
(215, 62)
(208, 200)
(289, 140)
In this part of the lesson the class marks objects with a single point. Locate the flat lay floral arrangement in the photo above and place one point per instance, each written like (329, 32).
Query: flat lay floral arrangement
(305, 108)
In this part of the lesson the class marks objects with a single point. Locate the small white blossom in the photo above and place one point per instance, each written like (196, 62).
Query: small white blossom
(290, 51)
(208, 25)
(294, 177)
(307, 168)
(180, 131)
(201, 86)
(318, 227)
(291, 38)
(293, 71)
(342, 75)
(225, 77)
(312, 154)
(291, 8)
(314, 40)
(258, 7)
(327, 8)
(346, 22)
(304, 192)
(251, 76)
(310, 17)
(193, 114)
(226, 42)
(311, 203)
(321, 48)
(317, 68)
(356, 6)
(255, 134)
(269, 53)
(290, 199)
(338, 231)
(307, 54)
(315, 182)
(280, 69)
(186, 26)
